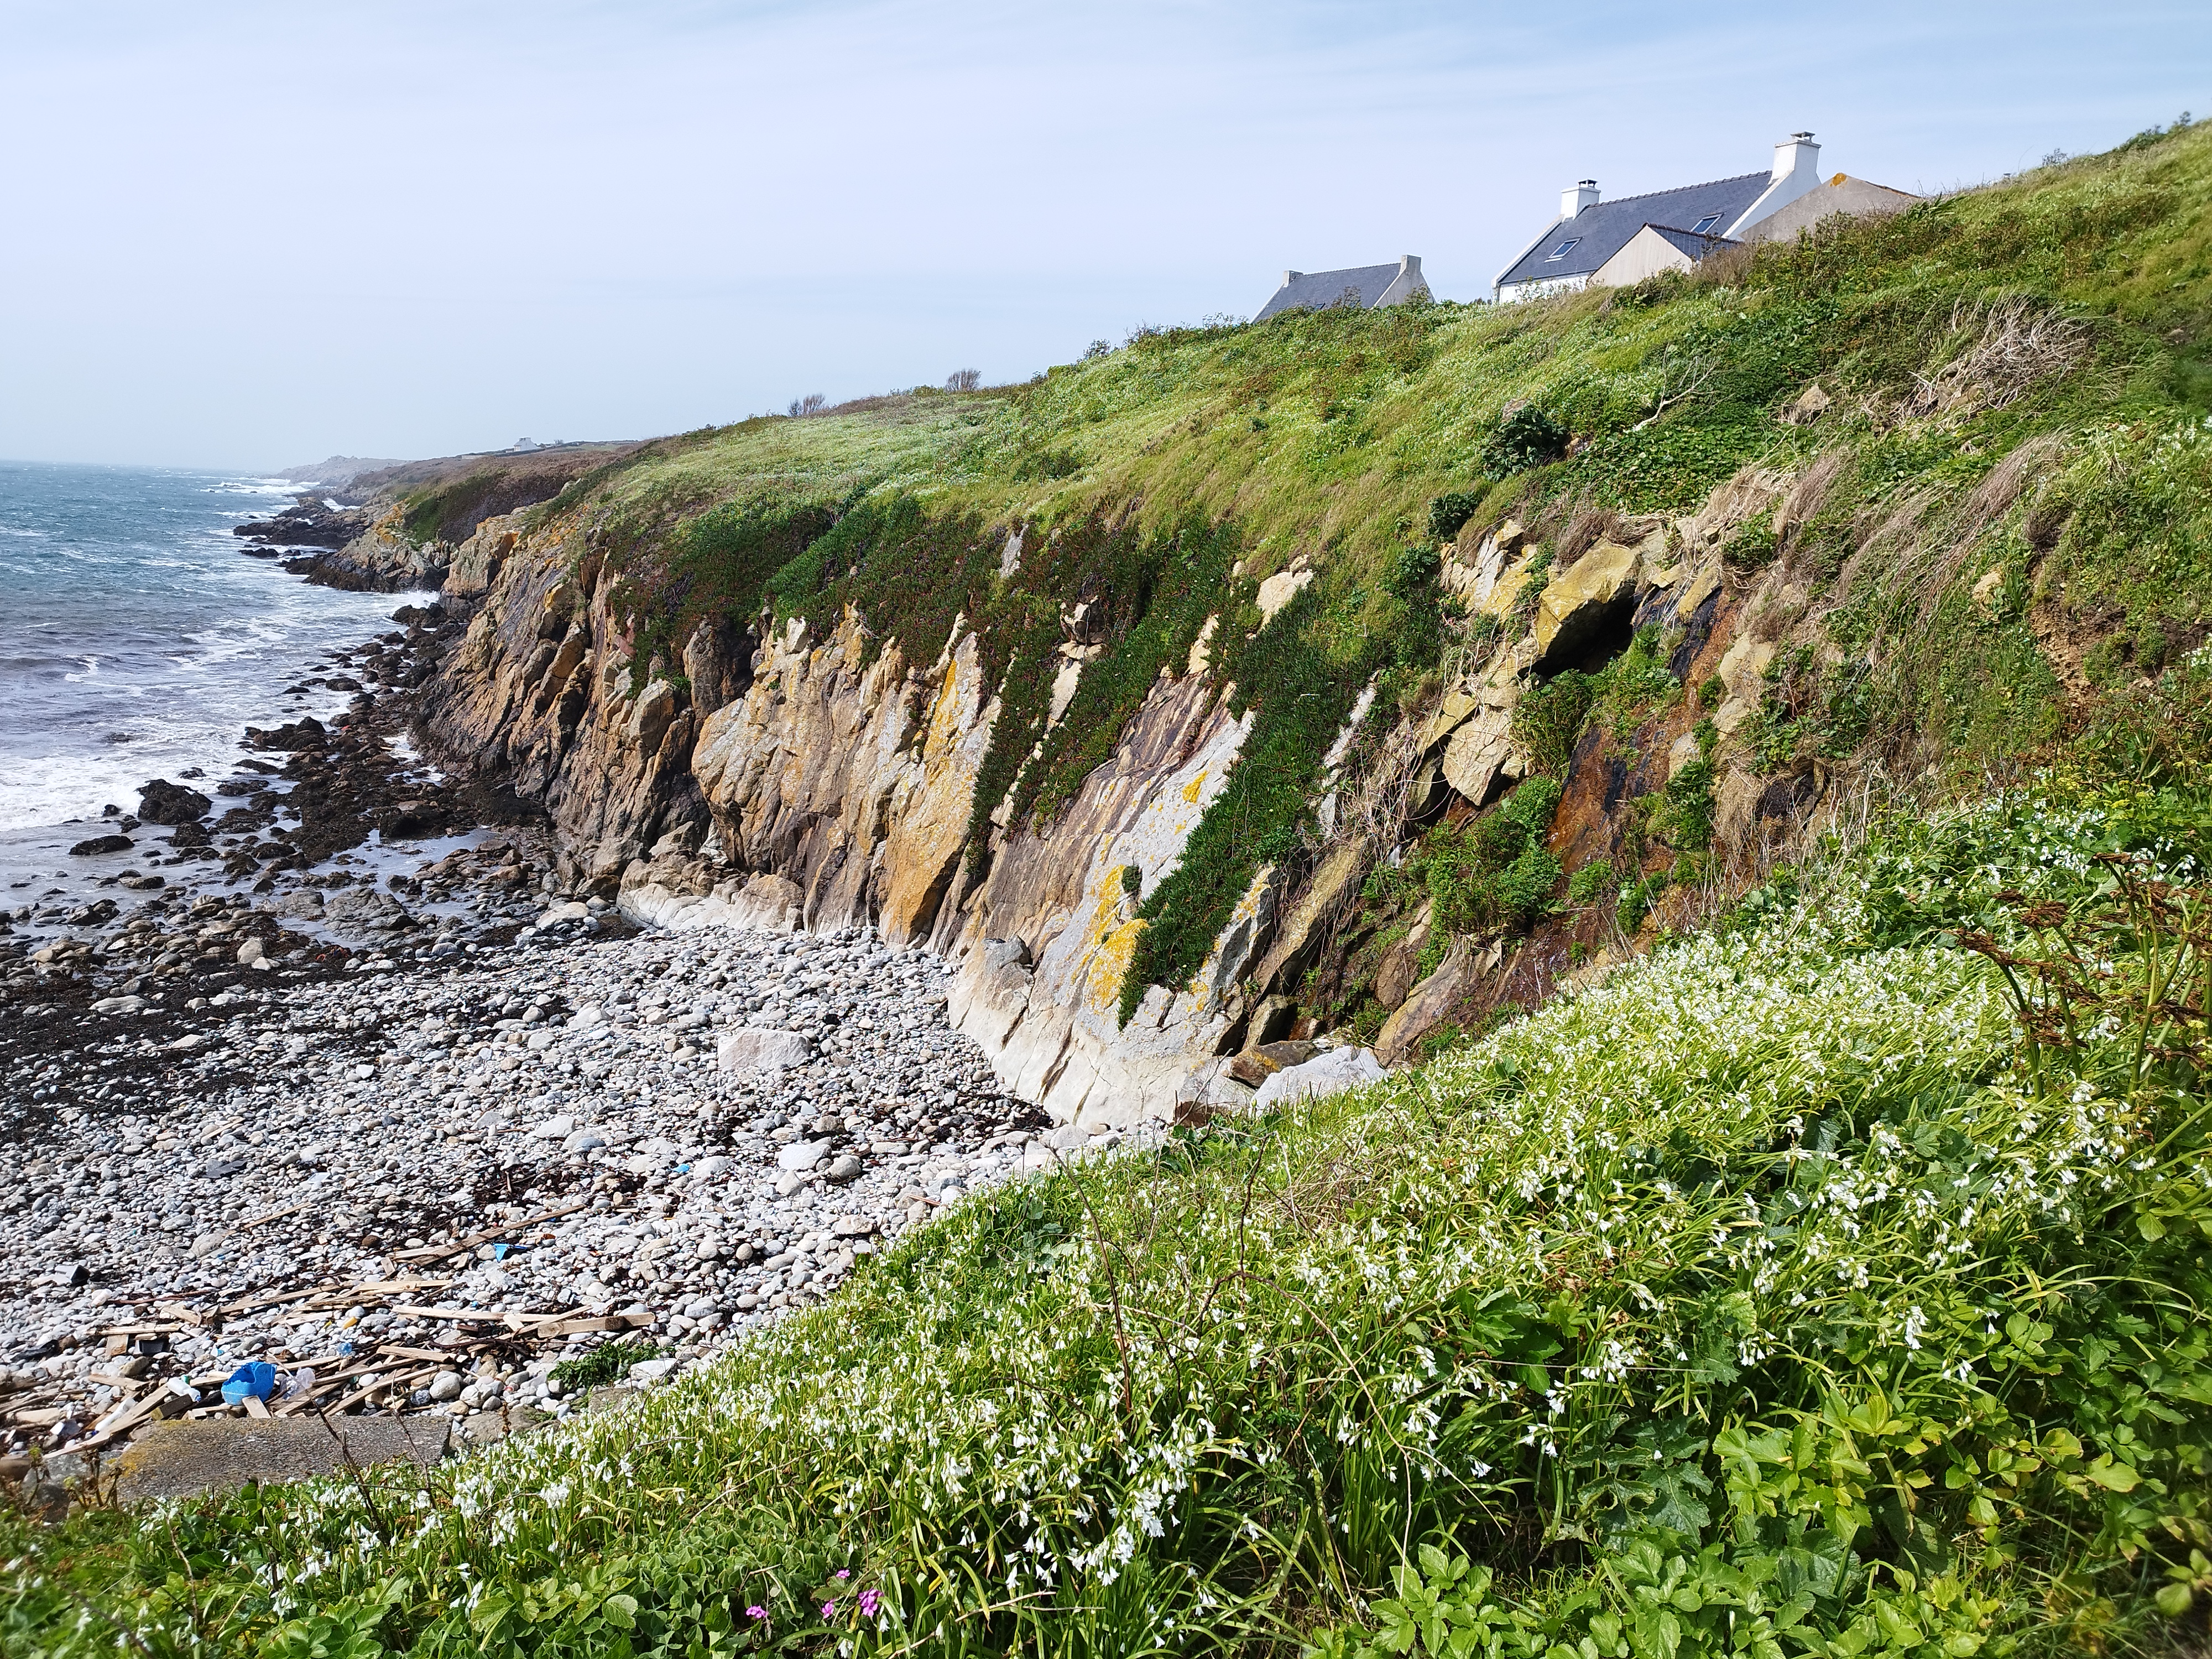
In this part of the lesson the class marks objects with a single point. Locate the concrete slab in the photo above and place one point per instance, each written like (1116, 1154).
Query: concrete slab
(184, 1458)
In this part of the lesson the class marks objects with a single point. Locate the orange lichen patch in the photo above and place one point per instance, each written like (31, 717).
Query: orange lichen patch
(1109, 965)
(946, 719)
(1190, 791)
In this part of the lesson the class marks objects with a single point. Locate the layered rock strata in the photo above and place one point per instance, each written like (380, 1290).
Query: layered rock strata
(815, 776)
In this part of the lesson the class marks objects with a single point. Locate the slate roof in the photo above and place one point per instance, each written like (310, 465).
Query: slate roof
(1604, 229)
(1316, 290)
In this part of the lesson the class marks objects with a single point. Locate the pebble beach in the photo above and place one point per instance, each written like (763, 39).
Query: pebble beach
(429, 1185)
(329, 1066)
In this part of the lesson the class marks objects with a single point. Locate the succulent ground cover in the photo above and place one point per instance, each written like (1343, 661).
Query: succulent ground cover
(1830, 1283)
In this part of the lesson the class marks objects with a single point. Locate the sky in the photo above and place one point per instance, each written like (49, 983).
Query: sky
(250, 235)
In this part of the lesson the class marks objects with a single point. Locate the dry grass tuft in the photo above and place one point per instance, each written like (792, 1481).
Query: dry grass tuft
(2020, 343)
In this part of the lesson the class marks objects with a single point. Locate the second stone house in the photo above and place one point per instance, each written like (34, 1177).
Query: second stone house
(1597, 243)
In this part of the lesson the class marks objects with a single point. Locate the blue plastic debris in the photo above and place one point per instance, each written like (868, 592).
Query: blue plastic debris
(255, 1380)
(499, 1252)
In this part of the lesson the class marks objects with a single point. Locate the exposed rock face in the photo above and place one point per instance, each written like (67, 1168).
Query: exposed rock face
(1060, 893)
(360, 556)
(1578, 604)
(818, 776)
(1426, 1004)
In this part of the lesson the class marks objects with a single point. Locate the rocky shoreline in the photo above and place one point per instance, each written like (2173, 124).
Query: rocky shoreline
(332, 1064)
(419, 1189)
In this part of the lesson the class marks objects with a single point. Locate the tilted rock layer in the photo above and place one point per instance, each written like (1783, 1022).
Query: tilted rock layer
(811, 775)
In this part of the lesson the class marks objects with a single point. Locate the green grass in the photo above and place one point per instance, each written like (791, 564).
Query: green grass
(1778, 1270)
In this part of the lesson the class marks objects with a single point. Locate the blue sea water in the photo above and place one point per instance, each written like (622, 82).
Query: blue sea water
(136, 639)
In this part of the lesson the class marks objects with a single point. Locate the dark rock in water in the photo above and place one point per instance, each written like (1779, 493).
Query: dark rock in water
(99, 844)
(306, 734)
(342, 683)
(307, 524)
(371, 573)
(163, 802)
(234, 787)
(412, 818)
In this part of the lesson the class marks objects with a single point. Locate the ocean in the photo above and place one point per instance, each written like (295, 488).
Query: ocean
(139, 641)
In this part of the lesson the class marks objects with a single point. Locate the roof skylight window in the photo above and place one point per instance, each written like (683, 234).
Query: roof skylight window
(1706, 224)
(1563, 249)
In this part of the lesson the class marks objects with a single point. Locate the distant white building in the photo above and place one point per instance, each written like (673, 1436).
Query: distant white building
(1597, 243)
(1365, 287)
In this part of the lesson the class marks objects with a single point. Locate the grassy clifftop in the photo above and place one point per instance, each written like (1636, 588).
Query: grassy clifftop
(1333, 431)
(1996, 529)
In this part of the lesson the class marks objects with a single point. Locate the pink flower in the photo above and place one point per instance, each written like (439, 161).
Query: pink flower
(755, 1612)
(844, 1572)
(870, 1601)
(828, 1609)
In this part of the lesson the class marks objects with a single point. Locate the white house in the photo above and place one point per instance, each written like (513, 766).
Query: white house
(1608, 243)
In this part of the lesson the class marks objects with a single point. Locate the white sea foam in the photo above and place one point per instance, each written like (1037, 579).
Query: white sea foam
(142, 641)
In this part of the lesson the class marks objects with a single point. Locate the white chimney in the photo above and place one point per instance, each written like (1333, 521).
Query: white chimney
(1289, 276)
(1409, 264)
(1797, 170)
(1797, 154)
(1577, 196)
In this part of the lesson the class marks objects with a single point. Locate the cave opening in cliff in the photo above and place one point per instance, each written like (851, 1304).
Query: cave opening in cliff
(1603, 636)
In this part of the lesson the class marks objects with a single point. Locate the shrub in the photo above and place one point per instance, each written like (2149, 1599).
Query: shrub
(1548, 719)
(1752, 547)
(608, 1363)
(1683, 812)
(1532, 804)
(1594, 881)
(1448, 513)
(1526, 438)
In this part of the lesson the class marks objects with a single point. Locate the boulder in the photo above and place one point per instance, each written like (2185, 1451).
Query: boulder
(163, 802)
(1255, 1066)
(752, 1053)
(1480, 759)
(99, 844)
(1278, 589)
(1325, 1074)
(800, 1156)
(648, 721)
(1579, 603)
(1394, 974)
(1808, 407)
(1426, 1004)
(1702, 587)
